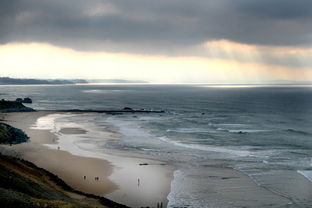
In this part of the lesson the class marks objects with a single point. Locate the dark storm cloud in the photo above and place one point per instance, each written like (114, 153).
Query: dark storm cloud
(282, 9)
(162, 26)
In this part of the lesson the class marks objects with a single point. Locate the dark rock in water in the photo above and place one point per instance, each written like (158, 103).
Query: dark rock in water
(19, 100)
(11, 135)
(27, 100)
(127, 109)
(13, 106)
(143, 163)
(114, 112)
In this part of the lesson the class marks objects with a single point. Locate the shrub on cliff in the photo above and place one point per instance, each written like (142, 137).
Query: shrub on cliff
(11, 135)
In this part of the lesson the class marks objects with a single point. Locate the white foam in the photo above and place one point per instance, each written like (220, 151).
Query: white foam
(128, 128)
(150, 118)
(306, 173)
(208, 148)
(188, 130)
(174, 198)
(248, 131)
(189, 189)
(243, 130)
(47, 122)
(181, 192)
(50, 122)
(231, 125)
(101, 91)
(265, 162)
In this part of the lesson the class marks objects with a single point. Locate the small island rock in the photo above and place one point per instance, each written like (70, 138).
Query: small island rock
(127, 109)
(27, 100)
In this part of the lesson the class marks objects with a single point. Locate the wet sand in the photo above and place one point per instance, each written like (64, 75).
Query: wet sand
(72, 131)
(120, 178)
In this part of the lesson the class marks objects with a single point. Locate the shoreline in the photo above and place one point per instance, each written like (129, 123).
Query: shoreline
(117, 175)
(120, 172)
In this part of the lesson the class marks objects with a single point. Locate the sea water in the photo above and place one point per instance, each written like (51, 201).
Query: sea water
(263, 131)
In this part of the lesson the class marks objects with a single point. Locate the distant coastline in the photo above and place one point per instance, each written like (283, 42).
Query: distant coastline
(21, 81)
(15, 81)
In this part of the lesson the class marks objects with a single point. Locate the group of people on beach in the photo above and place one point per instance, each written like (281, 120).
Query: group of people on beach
(98, 178)
(95, 178)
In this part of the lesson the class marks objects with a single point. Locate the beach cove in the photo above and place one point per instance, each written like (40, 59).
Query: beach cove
(131, 179)
(120, 178)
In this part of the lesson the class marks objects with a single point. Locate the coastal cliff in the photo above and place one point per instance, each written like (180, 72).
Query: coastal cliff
(23, 184)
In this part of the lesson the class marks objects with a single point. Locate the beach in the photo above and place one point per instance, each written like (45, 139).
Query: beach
(119, 178)
(132, 179)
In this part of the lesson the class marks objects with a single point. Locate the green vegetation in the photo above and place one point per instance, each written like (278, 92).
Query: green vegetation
(11, 135)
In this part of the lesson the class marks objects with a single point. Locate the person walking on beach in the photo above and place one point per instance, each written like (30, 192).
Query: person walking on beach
(159, 205)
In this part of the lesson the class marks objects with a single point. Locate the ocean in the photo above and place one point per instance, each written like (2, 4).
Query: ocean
(265, 132)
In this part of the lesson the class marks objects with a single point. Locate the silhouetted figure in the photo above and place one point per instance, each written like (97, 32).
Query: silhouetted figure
(138, 182)
(159, 205)
(84, 177)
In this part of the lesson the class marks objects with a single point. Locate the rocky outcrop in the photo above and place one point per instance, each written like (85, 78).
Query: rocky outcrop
(13, 106)
(25, 100)
(127, 109)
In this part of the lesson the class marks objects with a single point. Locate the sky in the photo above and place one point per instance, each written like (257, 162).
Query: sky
(163, 41)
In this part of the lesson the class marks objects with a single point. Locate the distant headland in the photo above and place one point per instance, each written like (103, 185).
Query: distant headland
(20, 81)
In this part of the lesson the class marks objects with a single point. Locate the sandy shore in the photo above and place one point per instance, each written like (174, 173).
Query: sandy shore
(23, 184)
(71, 169)
(117, 175)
